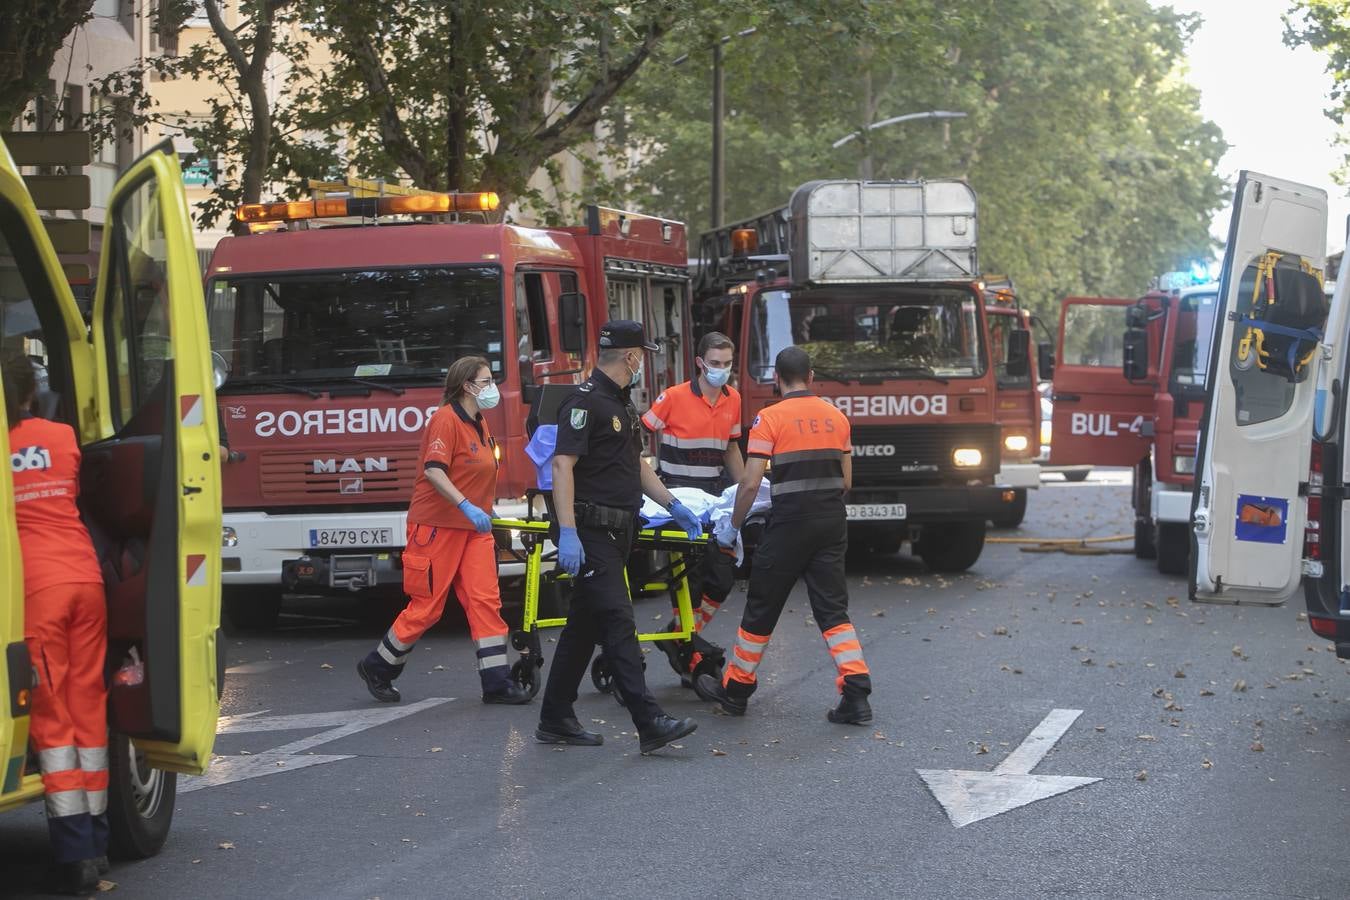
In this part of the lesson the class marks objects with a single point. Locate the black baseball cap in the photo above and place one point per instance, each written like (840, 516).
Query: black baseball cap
(620, 334)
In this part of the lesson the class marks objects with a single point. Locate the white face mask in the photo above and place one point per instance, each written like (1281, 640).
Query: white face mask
(488, 397)
(716, 377)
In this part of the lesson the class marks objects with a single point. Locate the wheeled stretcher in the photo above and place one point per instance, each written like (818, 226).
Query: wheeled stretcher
(671, 578)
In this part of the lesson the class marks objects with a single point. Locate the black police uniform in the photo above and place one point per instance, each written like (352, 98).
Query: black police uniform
(599, 425)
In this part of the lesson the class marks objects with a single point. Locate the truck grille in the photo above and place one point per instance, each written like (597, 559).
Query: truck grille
(300, 476)
(895, 455)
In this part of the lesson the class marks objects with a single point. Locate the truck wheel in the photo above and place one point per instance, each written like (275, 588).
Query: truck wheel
(1174, 548)
(1144, 546)
(251, 607)
(1012, 514)
(140, 801)
(951, 548)
(1077, 475)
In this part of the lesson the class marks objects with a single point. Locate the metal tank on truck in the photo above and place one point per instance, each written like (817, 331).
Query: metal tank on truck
(878, 281)
(334, 325)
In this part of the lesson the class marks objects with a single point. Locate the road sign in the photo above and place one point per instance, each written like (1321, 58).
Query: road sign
(68, 235)
(971, 796)
(59, 191)
(49, 148)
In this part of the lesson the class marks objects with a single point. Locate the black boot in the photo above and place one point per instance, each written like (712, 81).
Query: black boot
(853, 709)
(513, 694)
(382, 689)
(102, 864)
(662, 730)
(568, 731)
(76, 878)
(712, 690)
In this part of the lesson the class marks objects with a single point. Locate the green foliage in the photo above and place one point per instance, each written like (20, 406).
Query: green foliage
(1093, 166)
(1324, 25)
(31, 34)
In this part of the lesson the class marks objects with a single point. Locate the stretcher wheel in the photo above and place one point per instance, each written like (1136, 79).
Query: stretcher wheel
(601, 676)
(525, 672)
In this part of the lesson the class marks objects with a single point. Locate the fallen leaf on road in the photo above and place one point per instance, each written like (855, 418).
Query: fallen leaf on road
(1076, 622)
(1000, 629)
(225, 845)
(1145, 737)
(1240, 685)
(438, 668)
(1141, 775)
(1206, 692)
(1303, 617)
(1173, 706)
(878, 613)
(1087, 661)
(104, 886)
(1099, 728)
(325, 666)
(716, 752)
(1258, 747)
(982, 749)
(1206, 764)
(435, 749)
(876, 736)
(1178, 674)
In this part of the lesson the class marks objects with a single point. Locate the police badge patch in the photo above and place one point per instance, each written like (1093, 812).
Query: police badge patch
(617, 426)
(578, 419)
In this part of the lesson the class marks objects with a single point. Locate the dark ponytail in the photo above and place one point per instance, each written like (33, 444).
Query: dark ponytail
(16, 370)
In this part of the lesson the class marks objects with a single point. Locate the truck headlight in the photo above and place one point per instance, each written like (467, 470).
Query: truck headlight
(1183, 465)
(228, 538)
(1045, 432)
(1016, 443)
(967, 457)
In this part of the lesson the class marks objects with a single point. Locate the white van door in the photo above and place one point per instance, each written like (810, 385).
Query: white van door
(1249, 501)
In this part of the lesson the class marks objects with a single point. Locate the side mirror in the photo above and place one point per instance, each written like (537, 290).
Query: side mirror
(1045, 361)
(1136, 354)
(572, 323)
(220, 368)
(1018, 363)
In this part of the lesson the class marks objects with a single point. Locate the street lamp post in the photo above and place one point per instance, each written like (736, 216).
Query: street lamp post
(719, 162)
(865, 165)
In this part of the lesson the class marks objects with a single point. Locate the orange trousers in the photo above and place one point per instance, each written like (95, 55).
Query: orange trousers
(66, 629)
(435, 560)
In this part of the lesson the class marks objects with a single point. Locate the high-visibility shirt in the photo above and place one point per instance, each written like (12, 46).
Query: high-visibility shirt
(461, 446)
(805, 440)
(44, 458)
(695, 432)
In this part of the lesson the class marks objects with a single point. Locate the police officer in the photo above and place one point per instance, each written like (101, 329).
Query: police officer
(699, 423)
(598, 482)
(808, 442)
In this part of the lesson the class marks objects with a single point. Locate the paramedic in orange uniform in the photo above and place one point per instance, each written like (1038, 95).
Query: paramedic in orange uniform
(65, 627)
(450, 540)
(699, 423)
(808, 441)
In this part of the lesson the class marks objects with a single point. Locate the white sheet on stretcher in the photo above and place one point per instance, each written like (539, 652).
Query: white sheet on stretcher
(709, 508)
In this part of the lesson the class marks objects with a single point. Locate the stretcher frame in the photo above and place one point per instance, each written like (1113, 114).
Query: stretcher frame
(534, 532)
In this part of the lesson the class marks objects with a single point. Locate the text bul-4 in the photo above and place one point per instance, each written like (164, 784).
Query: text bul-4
(1103, 425)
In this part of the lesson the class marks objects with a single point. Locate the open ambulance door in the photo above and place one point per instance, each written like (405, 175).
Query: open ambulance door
(1249, 501)
(16, 670)
(151, 485)
(1098, 416)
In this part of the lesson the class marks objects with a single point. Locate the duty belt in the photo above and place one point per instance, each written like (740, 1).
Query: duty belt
(594, 515)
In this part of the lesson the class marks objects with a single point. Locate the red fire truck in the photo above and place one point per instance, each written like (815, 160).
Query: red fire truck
(333, 326)
(877, 280)
(1129, 389)
(1018, 405)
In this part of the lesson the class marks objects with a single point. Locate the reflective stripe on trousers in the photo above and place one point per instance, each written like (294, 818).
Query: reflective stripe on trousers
(746, 655)
(491, 651)
(846, 650)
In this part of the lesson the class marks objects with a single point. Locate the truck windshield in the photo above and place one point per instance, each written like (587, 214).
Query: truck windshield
(870, 333)
(382, 324)
(1194, 334)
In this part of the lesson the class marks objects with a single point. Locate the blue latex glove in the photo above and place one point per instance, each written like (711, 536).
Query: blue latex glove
(482, 522)
(570, 555)
(725, 533)
(684, 518)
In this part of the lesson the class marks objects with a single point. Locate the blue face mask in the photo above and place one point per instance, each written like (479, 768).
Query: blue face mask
(716, 377)
(637, 376)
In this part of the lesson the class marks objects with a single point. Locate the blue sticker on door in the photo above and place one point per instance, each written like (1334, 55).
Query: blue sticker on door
(1261, 520)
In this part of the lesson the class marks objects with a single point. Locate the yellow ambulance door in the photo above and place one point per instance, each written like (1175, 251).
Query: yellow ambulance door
(151, 484)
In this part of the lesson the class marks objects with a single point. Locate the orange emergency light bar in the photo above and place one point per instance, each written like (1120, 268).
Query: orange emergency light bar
(367, 207)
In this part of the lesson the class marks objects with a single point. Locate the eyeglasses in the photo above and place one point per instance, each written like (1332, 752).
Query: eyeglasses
(484, 382)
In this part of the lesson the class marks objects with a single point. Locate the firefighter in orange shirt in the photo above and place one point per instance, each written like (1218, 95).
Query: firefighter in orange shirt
(699, 423)
(66, 629)
(450, 541)
(809, 444)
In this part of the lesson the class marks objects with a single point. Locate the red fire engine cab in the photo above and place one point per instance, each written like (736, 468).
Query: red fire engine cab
(333, 325)
(1018, 405)
(878, 282)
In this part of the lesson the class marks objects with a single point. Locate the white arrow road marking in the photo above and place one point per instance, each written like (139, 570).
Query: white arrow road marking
(971, 796)
(292, 756)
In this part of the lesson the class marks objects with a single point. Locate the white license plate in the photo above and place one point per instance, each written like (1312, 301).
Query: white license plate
(876, 511)
(351, 537)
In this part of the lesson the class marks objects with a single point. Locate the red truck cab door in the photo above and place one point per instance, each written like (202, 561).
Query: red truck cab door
(1098, 417)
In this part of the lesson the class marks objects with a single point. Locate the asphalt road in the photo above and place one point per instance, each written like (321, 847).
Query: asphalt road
(1221, 739)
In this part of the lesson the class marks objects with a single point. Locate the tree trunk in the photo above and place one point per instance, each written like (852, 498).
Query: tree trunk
(252, 73)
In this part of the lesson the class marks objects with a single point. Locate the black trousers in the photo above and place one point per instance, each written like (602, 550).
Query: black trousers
(601, 613)
(712, 576)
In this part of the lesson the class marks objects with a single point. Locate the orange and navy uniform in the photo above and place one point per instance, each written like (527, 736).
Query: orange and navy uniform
(806, 440)
(65, 627)
(695, 433)
(443, 550)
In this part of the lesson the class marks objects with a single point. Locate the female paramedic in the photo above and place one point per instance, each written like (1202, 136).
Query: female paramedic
(450, 540)
(65, 626)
